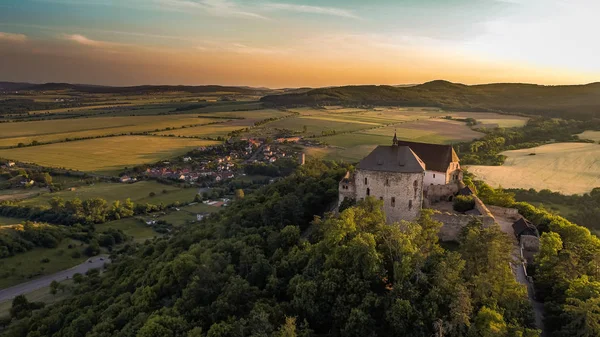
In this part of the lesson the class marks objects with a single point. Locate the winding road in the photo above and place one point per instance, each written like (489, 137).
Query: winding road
(44, 281)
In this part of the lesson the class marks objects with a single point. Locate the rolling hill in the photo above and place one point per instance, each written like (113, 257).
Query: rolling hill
(569, 101)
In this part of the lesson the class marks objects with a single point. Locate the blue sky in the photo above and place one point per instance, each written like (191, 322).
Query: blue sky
(299, 43)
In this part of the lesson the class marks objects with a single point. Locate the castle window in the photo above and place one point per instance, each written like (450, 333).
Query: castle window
(381, 198)
(368, 191)
(434, 175)
(387, 181)
(366, 181)
(393, 202)
(410, 204)
(416, 187)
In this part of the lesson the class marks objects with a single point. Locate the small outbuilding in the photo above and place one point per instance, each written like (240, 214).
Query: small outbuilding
(523, 227)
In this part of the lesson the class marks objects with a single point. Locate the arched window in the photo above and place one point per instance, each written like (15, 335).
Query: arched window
(393, 202)
(366, 181)
(387, 181)
(410, 204)
(368, 191)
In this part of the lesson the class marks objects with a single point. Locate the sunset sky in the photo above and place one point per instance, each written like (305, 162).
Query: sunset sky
(293, 43)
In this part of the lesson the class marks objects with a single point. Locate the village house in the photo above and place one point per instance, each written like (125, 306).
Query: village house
(405, 176)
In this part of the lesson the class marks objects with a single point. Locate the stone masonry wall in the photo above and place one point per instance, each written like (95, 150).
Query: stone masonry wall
(405, 188)
(454, 223)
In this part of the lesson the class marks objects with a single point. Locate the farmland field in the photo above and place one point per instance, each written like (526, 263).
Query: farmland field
(11, 134)
(105, 155)
(214, 130)
(131, 226)
(569, 168)
(591, 135)
(354, 146)
(138, 193)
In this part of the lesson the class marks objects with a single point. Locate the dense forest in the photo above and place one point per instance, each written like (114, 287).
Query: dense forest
(566, 272)
(573, 102)
(266, 266)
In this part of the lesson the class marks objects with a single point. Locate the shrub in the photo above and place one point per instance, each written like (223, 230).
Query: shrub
(76, 254)
(463, 203)
(45, 260)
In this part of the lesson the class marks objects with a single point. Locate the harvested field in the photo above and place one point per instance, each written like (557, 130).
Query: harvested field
(105, 155)
(437, 131)
(569, 168)
(591, 135)
(11, 134)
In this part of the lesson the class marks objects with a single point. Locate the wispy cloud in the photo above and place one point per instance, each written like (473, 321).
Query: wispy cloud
(13, 37)
(221, 8)
(240, 48)
(80, 39)
(311, 9)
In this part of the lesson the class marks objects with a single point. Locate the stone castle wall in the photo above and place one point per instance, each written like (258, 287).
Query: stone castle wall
(406, 189)
(454, 223)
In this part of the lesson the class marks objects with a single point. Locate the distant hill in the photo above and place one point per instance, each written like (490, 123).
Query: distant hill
(568, 101)
(86, 88)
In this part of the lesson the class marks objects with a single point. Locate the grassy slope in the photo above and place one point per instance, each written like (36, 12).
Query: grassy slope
(21, 267)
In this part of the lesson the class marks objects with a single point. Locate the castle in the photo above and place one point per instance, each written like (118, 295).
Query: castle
(406, 176)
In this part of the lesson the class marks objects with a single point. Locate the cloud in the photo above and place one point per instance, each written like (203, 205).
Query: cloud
(83, 40)
(312, 9)
(240, 48)
(12, 37)
(221, 8)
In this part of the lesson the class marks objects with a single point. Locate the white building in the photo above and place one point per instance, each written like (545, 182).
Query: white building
(405, 176)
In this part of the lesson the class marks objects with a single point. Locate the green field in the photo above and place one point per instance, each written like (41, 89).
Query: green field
(352, 147)
(10, 221)
(40, 295)
(131, 226)
(569, 168)
(105, 155)
(591, 135)
(188, 213)
(138, 193)
(11, 134)
(212, 131)
(24, 266)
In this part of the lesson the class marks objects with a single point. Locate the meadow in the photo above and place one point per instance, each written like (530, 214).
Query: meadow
(135, 227)
(24, 266)
(105, 155)
(11, 134)
(138, 193)
(569, 168)
(10, 221)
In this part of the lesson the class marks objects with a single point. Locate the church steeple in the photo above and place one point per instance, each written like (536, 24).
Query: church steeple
(395, 140)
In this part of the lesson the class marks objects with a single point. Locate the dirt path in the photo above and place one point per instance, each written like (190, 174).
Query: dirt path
(519, 270)
(27, 287)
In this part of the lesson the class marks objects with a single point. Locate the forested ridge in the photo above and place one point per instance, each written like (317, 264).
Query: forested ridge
(267, 267)
(568, 101)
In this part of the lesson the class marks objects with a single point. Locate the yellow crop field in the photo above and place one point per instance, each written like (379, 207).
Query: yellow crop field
(105, 155)
(591, 135)
(11, 134)
(570, 168)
